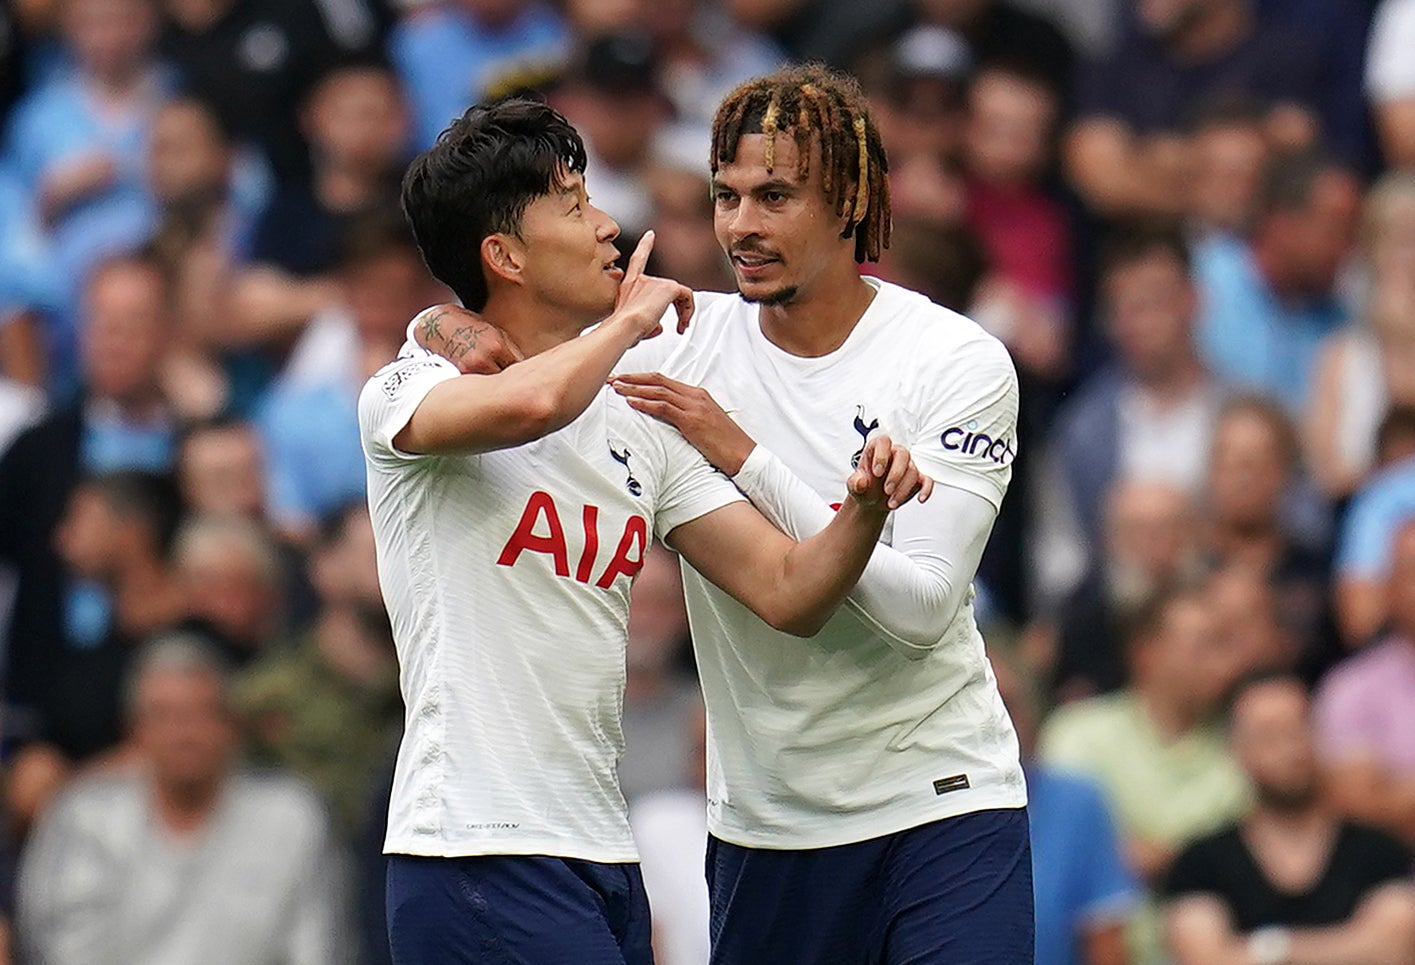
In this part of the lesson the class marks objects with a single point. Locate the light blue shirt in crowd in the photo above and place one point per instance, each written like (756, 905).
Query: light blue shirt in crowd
(1374, 517)
(1078, 875)
(1247, 335)
(447, 59)
(313, 457)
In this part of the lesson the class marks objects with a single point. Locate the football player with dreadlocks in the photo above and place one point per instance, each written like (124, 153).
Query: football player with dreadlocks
(865, 797)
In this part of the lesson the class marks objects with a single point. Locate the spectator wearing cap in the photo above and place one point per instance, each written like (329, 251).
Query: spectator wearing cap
(184, 858)
(611, 95)
(457, 53)
(1268, 301)
(1365, 710)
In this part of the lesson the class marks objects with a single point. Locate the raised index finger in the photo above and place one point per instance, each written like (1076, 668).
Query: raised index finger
(638, 261)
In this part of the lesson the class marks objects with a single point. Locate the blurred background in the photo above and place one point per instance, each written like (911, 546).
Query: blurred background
(1191, 221)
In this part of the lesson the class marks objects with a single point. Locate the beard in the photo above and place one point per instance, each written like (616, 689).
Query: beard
(1287, 799)
(782, 296)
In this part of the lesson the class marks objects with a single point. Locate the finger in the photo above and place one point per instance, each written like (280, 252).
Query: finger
(661, 411)
(926, 488)
(655, 393)
(899, 464)
(638, 261)
(685, 305)
(905, 489)
(880, 462)
(506, 353)
(859, 482)
(645, 378)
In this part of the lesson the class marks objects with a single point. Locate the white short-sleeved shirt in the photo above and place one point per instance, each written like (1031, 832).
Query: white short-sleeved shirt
(839, 738)
(507, 577)
(1390, 70)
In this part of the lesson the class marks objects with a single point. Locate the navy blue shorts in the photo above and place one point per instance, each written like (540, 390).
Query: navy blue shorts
(956, 891)
(516, 910)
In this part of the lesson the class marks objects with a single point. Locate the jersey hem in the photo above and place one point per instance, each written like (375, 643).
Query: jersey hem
(548, 847)
(872, 825)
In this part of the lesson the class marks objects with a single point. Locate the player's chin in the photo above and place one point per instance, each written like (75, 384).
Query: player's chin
(774, 294)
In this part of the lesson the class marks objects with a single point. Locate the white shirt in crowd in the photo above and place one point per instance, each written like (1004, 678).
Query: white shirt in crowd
(890, 717)
(100, 881)
(507, 578)
(1390, 70)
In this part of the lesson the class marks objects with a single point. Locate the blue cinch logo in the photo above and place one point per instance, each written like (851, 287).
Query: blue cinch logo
(967, 440)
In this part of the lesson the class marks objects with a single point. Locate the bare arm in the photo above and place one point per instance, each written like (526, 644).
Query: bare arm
(477, 413)
(795, 587)
(268, 303)
(1117, 174)
(1363, 791)
(1361, 608)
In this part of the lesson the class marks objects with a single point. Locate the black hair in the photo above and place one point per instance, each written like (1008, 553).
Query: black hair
(1139, 238)
(477, 180)
(148, 497)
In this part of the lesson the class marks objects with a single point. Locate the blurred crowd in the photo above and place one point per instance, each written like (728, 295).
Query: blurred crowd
(1191, 221)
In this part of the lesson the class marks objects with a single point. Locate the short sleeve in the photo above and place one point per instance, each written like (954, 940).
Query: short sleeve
(390, 398)
(1108, 888)
(1390, 70)
(1363, 546)
(1380, 857)
(967, 434)
(689, 486)
(1192, 871)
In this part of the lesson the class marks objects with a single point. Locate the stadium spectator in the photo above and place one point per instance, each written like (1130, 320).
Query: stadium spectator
(1230, 159)
(1154, 747)
(1247, 606)
(116, 541)
(944, 261)
(1366, 368)
(1255, 504)
(1269, 301)
(183, 858)
(76, 144)
(1007, 152)
(232, 572)
(308, 420)
(328, 708)
(612, 97)
(1386, 502)
(254, 61)
(684, 246)
(1129, 152)
(1002, 31)
(1365, 712)
(357, 123)
(1390, 80)
(1150, 539)
(1290, 881)
(122, 422)
(219, 469)
(457, 53)
(1084, 891)
(1149, 414)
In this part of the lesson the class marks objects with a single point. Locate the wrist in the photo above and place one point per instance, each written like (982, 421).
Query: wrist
(1270, 946)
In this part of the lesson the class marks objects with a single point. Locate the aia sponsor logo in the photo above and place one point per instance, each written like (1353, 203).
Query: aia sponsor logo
(541, 531)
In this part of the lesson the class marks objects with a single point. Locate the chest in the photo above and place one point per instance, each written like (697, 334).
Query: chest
(816, 418)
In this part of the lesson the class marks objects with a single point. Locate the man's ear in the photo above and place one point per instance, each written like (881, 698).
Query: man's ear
(504, 257)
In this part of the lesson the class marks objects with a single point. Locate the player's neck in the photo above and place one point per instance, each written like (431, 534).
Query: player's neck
(819, 323)
(532, 327)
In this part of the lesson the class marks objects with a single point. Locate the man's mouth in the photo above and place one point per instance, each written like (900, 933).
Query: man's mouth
(751, 261)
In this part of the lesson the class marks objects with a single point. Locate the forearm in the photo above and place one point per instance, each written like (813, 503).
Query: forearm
(816, 574)
(1348, 945)
(910, 600)
(479, 413)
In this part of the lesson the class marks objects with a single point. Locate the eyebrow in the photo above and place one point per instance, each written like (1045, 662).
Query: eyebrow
(775, 184)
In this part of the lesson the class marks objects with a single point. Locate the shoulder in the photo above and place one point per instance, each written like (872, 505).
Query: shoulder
(281, 801)
(1351, 679)
(937, 340)
(1086, 723)
(99, 799)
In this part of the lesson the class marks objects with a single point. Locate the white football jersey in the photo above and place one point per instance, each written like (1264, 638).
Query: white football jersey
(840, 738)
(507, 576)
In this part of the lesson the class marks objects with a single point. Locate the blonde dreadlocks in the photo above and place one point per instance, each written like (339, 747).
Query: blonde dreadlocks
(813, 102)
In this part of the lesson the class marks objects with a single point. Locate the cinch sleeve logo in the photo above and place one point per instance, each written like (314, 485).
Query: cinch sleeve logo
(970, 442)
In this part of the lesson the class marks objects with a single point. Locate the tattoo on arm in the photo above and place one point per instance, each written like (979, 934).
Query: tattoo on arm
(463, 340)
